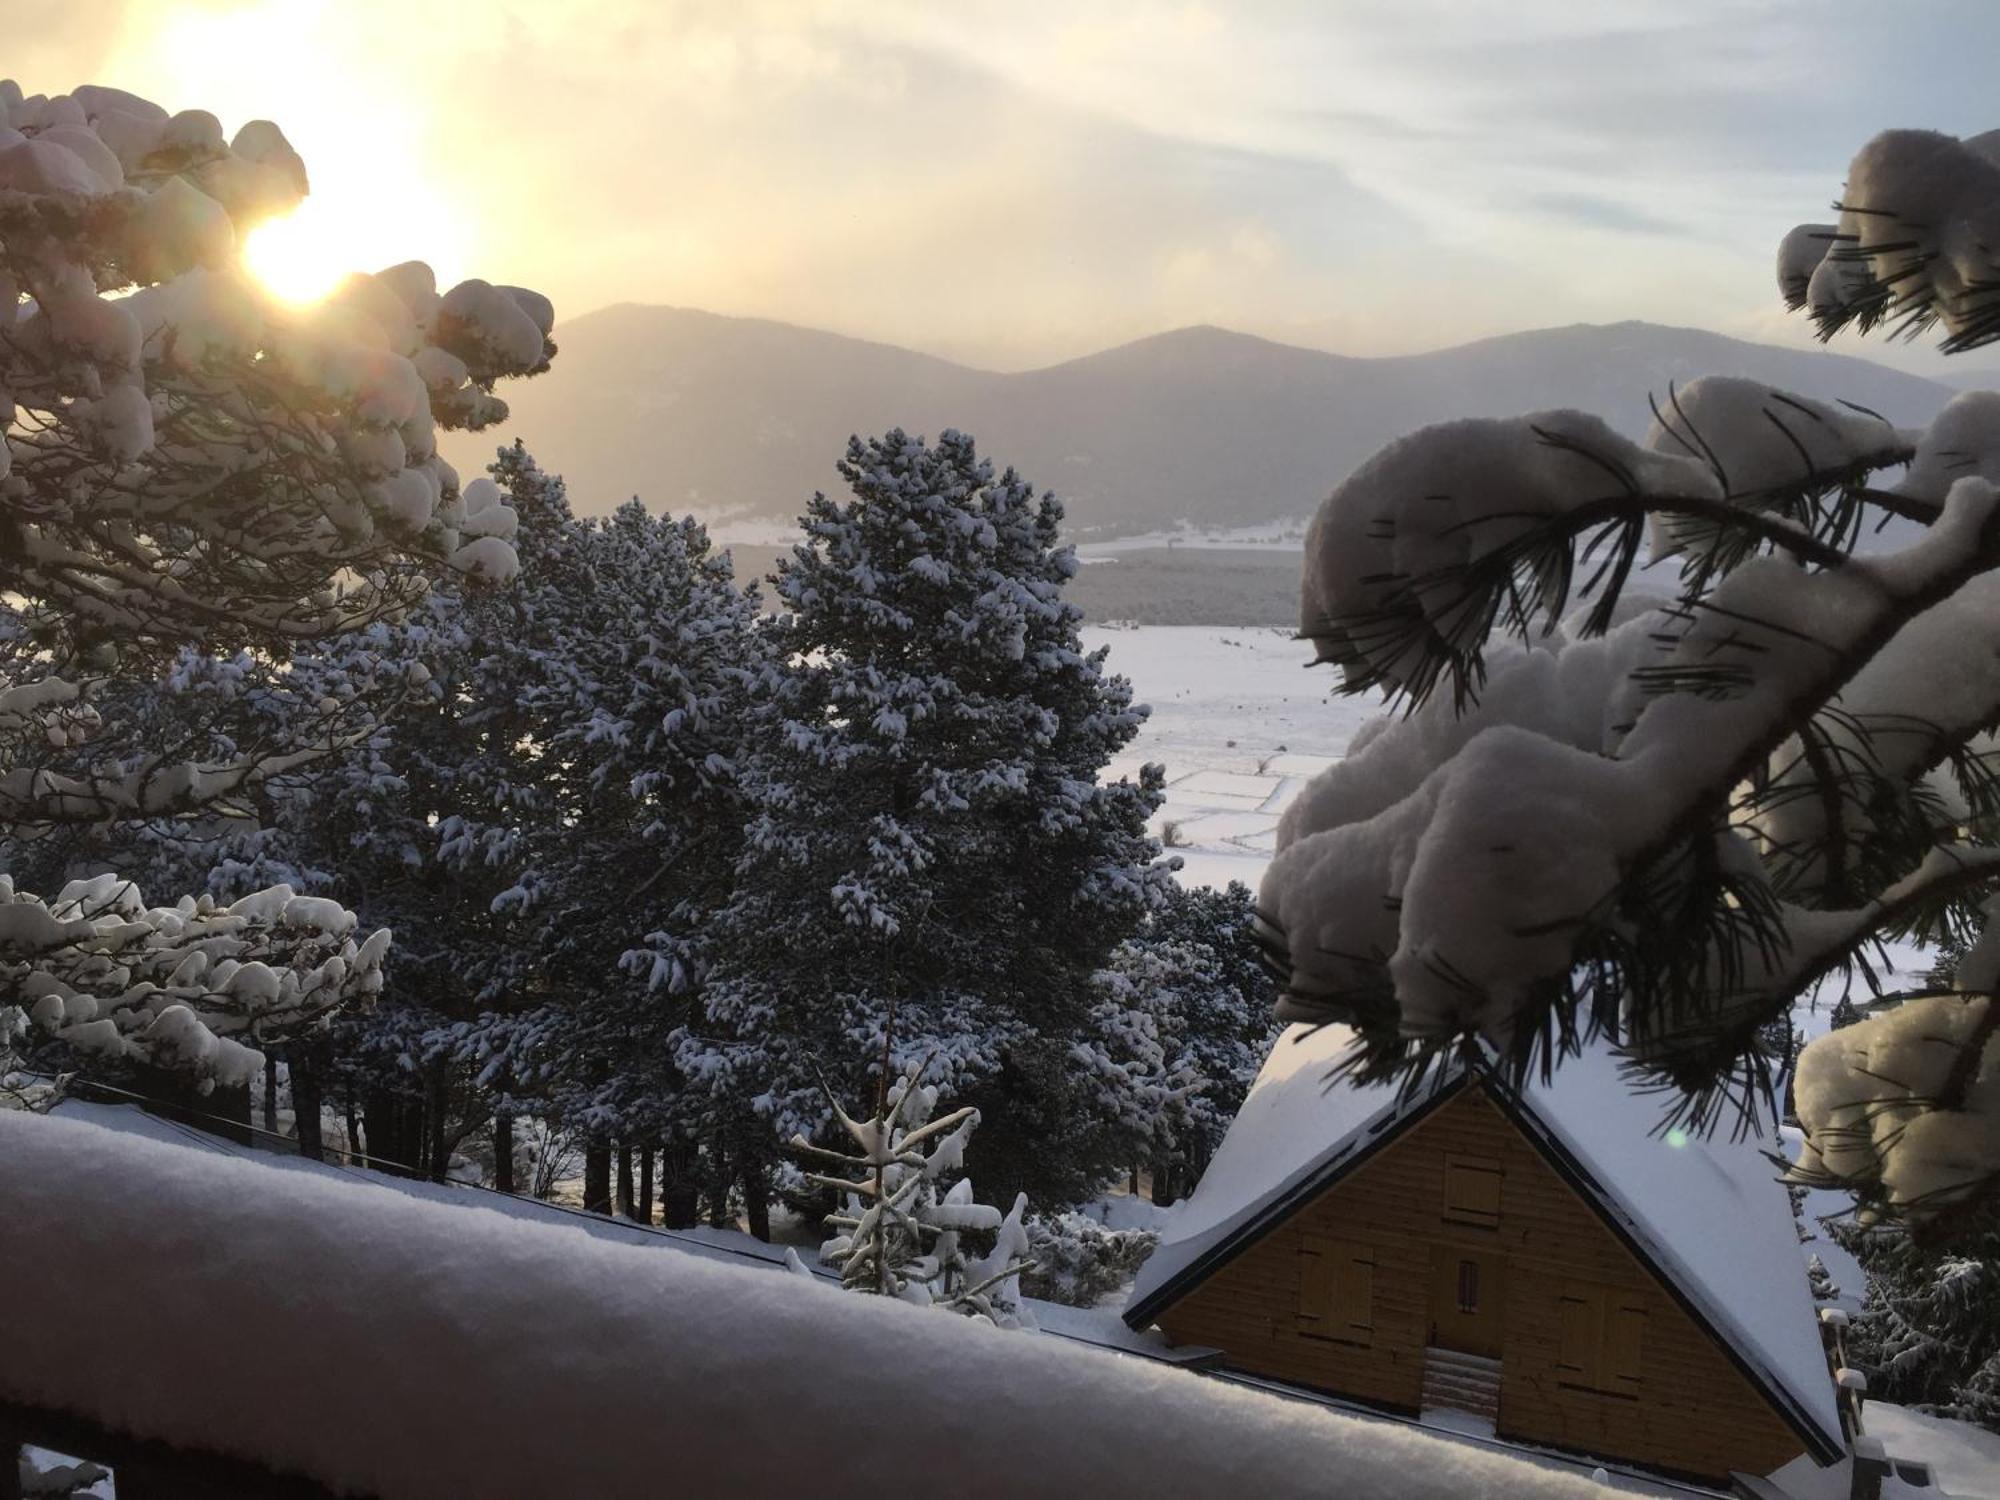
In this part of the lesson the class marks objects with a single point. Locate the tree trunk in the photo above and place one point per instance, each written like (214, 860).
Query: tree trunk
(437, 1151)
(625, 1199)
(718, 1182)
(1135, 1179)
(393, 1134)
(171, 1094)
(680, 1183)
(1164, 1192)
(597, 1177)
(646, 1185)
(354, 1147)
(757, 1196)
(503, 1153)
(271, 1094)
(306, 1102)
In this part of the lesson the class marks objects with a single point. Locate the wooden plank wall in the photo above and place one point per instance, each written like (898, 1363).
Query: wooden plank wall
(1694, 1413)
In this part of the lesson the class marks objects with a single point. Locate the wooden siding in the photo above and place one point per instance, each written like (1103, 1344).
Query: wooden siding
(1691, 1411)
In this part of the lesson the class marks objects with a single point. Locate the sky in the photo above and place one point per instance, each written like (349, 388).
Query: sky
(1014, 182)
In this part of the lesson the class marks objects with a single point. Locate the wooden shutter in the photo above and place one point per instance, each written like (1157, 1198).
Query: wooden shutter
(1354, 1294)
(1472, 1190)
(1315, 1285)
(1624, 1331)
(1336, 1289)
(1580, 1324)
(1600, 1335)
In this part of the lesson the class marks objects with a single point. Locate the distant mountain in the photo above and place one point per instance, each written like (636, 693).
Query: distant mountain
(690, 410)
(1987, 379)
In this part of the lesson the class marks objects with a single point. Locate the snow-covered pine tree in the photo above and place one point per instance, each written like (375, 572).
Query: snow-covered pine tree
(899, 1228)
(1929, 1331)
(930, 845)
(1225, 993)
(1182, 1024)
(648, 724)
(1824, 1287)
(444, 825)
(190, 463)
(1669, 820)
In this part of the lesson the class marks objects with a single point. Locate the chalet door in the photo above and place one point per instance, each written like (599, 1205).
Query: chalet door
(1468, 1300)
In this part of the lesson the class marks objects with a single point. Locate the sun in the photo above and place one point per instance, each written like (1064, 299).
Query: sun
(295, 257)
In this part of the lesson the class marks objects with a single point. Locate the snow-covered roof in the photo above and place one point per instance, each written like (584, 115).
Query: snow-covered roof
(1708, 1213)
(456, 1350)
(1293, 1126)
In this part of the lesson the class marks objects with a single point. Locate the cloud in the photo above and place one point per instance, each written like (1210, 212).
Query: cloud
(1602, 213)
(1012, 181)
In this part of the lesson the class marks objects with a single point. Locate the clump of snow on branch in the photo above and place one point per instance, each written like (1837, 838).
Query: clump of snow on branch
(898, 1233)
(1429, 505)
(1917, 243)
(190, 986)
(1868, 1097)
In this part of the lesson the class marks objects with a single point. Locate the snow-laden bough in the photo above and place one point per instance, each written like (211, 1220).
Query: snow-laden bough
(1668, 817)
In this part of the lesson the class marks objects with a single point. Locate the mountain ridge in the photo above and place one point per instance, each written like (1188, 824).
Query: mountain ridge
(732, 416)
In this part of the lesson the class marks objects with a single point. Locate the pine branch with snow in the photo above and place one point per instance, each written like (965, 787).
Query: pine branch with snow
(190, 986)
(1669, 817)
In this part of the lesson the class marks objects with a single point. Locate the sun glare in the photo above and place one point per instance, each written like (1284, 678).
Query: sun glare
(366, 132)
(294, 257)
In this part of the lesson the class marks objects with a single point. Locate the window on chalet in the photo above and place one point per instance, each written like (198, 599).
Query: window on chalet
(1468, 1286)
(1472, 1191)
(1337, 1290)
(1601, 1334)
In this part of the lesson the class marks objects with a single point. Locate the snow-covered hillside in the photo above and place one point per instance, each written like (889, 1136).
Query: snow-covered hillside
(1240, 724)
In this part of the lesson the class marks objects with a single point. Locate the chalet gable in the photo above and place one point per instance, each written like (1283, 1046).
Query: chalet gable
(1706, 1220)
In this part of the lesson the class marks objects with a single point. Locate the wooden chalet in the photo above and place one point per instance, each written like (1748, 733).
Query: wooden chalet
(1542, 1259)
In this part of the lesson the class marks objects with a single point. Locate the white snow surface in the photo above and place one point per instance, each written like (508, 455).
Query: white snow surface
(1240, 722)
(485, 1355)
(1964, 1458)
(1711, 1211)
(1273, 536)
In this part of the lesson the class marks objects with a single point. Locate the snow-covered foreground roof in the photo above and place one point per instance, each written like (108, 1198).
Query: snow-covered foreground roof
(401, 1347)
(1709, 1213)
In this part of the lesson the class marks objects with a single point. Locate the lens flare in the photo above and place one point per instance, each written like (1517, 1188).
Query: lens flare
(295, 258)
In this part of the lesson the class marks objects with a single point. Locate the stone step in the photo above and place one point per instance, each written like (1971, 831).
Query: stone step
(1447, 1379)
(1486, 1395)
(1435, 1357)
(1461, 1382)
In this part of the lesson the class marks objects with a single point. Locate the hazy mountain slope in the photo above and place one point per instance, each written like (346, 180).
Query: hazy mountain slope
(1987, 379)
(692, 410)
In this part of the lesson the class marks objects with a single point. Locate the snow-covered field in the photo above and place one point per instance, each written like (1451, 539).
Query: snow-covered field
(1240, 724)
